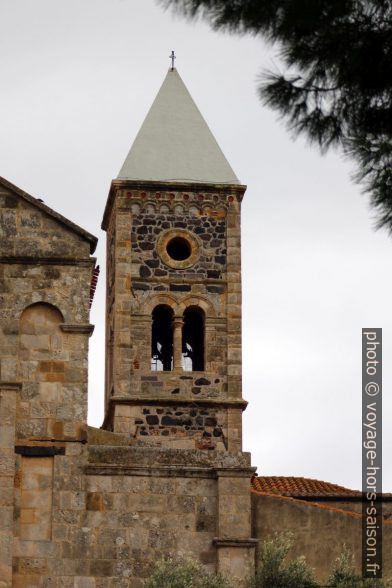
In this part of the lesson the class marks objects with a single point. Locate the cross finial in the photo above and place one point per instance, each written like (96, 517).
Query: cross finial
(172, 57)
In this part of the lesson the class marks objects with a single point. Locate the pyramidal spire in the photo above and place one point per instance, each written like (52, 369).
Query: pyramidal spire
(174, 143)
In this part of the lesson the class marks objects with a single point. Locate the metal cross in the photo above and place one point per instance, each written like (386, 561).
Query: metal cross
(172, 57)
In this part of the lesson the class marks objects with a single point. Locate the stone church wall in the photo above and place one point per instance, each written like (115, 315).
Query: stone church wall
(45, 277)
(45, 280)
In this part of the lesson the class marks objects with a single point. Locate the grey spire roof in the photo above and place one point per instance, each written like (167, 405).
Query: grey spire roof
(175, 143)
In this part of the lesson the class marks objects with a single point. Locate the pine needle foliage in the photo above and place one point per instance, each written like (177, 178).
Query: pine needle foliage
(181, 573)
(275, 570)
(336, 85)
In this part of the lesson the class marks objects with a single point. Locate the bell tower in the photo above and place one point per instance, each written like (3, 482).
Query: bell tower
(173, 362)
(173, 323)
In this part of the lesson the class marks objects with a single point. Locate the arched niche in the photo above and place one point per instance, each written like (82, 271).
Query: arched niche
(38, 323)
(40, 318)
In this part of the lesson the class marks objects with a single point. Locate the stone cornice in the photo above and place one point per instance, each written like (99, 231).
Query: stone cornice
(75, 328)
(40, 450)
(37, 260)
(10, 386)
(171, 471)
(226, 403)
(180, 280)
(153, 471)
(236, 473)
(224, 189)
(234, 542)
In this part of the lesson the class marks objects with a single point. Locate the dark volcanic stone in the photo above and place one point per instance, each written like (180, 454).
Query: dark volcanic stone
(180, 288)
(216, 289)
(138, 286)
(210, 422)
(213, 274)
(217, 433)
(202, 382)
(152, 262)
(144, 271)
(170, 421)
(146, 246)
(196, 390)
(152, 419)
(175, 391)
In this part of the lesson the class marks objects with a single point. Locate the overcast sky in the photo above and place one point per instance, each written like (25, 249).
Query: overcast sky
(77, 79)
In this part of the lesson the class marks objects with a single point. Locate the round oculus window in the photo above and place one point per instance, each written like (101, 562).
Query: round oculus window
(178, 248)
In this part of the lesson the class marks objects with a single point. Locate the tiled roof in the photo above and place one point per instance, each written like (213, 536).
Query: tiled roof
(301, 487)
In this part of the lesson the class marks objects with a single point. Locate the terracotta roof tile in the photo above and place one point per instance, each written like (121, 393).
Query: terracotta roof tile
(301, 487)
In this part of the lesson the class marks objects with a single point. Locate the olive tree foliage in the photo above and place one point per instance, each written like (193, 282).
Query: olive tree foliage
(344, 574)
(181, 573)
(336, 83)
(275, 570)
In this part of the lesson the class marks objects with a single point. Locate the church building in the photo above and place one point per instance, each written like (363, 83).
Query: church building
(82, 507)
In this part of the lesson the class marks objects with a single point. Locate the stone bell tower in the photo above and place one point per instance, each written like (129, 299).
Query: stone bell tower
(173, 330)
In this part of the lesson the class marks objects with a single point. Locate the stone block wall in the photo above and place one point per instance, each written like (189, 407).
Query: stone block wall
(319, 533)
(45, 277)
(101, 513)
(139, 220)
(147, 503)
(49, 509)
(199, 427)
